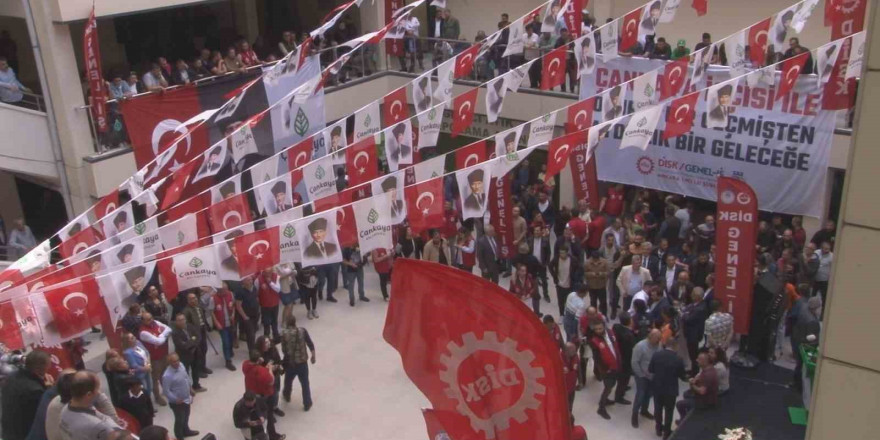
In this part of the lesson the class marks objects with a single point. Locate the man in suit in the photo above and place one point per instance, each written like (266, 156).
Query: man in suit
(187, 338)
(279, 192)
(399, 147)
(626, 340)
(631, 279)
(476, 200)
(806, 323)
(720, 112)
(614, 109)
(667, 369)
(650, 22)
(389, 185)
(539, 247)
(693, 319)
(682, 288)
(565, 270)
(125, 254)
(319, 249)
(668, 274)
(488, 253)
(230, 263)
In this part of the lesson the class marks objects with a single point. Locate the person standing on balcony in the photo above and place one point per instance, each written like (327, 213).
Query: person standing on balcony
(10, 87)
(21, 239)
(154, 80)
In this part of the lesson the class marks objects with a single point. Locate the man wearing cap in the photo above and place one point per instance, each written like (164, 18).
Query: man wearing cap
(227, 190)
(120, 222)
(279, 192)
(136, 279)
(389, 185)
(213, 160)
(125, 253)
(399, 147)
(720, 112)
(230, 263)
(615, 109)
(319, 249)
(510, 143)
(476, 201)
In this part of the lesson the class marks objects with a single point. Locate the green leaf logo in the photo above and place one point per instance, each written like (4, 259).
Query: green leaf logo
(195, 262)
(373, 216)
(367, 121)
(320, 173)
(433, 174)
(180, 237)
(140, 228)
(301, 124)
(267, 177)
(432, 114)
(289, 231)
(546, 118)
(649, 90)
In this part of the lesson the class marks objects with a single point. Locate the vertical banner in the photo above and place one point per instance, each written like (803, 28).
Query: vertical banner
(574, 17)
(584, 174)
(394, 46)
(501, 213)
(97, 86)
(736, 232)
(848, 19)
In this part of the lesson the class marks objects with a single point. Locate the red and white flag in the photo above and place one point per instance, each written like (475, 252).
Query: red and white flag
(424, 203)
(791, 70)
(179, 180)
(559, 151)
(360, 162)
(470, 155)
(736, 229)
(674, 76)
(59, 357)
(580, 114)
(10, 333)
(477, 352)
(81, 241)
(346, 226)
(230, 213)
(257, 251)
(848, 18)
(9, 278)
(701, 6)
(629, 30)
(94, 73)
(553, 72)
(680, 116)
(758, 41)
(75, 307)
(464, 62)
(395, 106)
(573, 17)
(107, 204)
(464, 106)
(300, 154)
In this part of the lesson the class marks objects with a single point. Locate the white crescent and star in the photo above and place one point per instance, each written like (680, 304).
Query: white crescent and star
(229, 215)
(461, 109)
(686, 108)
(675, 74)
(79, 248)
(424, 195)
(394, 104)
(359, 155)
(577, 118)
(258, 255)
(761, 37)
(110, 208)
(303, 155)
(563, 149)
(467, 160)
(554, 62)
(77, 312)
(465, 58)
(629, 24)
(340, 221)
(796, 70)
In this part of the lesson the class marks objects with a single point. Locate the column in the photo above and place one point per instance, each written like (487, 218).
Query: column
(246, 23)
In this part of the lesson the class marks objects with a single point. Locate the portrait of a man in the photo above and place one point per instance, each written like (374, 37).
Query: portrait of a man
(125, 254)
(722, 106)
(476, 199)
(319, 248)
(280, 201)
(136, 279)
(230, 263)
(389, 185)
(614, 109)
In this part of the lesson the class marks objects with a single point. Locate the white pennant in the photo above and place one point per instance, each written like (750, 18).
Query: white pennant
(640, 129)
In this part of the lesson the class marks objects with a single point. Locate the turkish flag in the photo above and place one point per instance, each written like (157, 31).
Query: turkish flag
(553, 72)
(360, 161)
(580, 115)
(758, 40)
(334, 200)
(179, 180)
(229, 213)
(464, 62)
(701, 6)
(75, 307)
(10, 332)
(300, 154)
(463, 106)
(674, 77)
(791, 70)
(257, 251)
(629, 29)
(477, 352)
(9, 278)
(425, 205)
(83, 240)
(395, 107)
(560, 149)
(680, 115)
(346, 229)
(35, 281)
(107, 204)
(470, 155)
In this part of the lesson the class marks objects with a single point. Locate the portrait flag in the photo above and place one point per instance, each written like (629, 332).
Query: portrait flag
(361, 163)
(580, 114)
(464, 62)
(554, 67)
(559, 151)
(395, 106)
(422, 92)
(470, 155)
(464, 106)
(791, 70)
(826, 58)
(585, 54)
(701, 6)
(424, 203)
(719, 98)
(673, 78)
(257, 251)
(107, 204)
(700, 63)
(496, 90)
(473, 184)
(680, 115)
(758, 41)
(736, 231)
(75, 307)
(803, 14)
(229, 213)
(640, 129)
(477, 352)
(629, 29)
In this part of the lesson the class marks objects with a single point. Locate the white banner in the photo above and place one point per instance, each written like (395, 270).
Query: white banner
(541, 129)
(431, 168)
(289, 241)
(180, 232)
(294, 121)
(374, 223)
(429, 126)
(320, 178)
(367, 122)
(196, 268)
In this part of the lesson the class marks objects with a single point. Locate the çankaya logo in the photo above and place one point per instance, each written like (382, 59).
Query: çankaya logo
(367, 121)
(140, 228)
(372, 216)
(489, 369)
(320, 173)
(289, 231)
(195, 262)
(301, 123)
(642, 123)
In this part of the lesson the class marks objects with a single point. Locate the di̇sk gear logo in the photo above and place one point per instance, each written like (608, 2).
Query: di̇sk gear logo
(479, 353)
(645, 165)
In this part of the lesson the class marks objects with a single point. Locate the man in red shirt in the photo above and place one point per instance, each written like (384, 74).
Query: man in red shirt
(224, 321)
(571, 363)
(607, 357)
(595, 229)
(612, 204)
(260, 380)
(268, 289)
(450, 219)
(383, 259)
(578, 228)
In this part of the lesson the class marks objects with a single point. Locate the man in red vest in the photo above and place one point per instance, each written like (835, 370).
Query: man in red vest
(224, 321)
(383, 260)
(268, 288)
(606, 355)
(155, 335)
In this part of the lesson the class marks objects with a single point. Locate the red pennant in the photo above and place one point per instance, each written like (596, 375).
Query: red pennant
(580, 115)
(680, 115)
(395, 106)
(36, 279)
(346, 228)
(464, 62)
(737, 231)
(463, 106)
(10, 332)
(758, 40)
(127, 421)
(457, 334)
(791, 70)
(257, 251)
(300, 154)
(360, 161)
(75, 307)
(560, 149)
(107, 204)
(305, 49)
(83, 240)
(674, 76)
(10, 278)
(629, 29)
(178, 183)
(701, 6)
(425, 205)
(470, 154)
(229, 213)
(553, 72)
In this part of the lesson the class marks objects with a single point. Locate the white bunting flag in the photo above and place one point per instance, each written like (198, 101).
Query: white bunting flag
(515, 38)
(275, 195)
(720, 99)
(541, 129)
(392, 185)
(334, 139)
(669, 10)
(212, 160)
(320, 178)
(445, 76)
(180, 232)
(289, 242)
(609, 41)
(430, 123)
(398, 145)
(367, 122)
(650, 18)
(856, 56)
(431, 168)
(612, 103)
(826, 58)
(422, 92)
(803, 14)
(473, 186)
(640, 129)
(737, 57)
(585, 54)
(226, 189)
(645, 90)
(700, 64)
(507, 142)
(373, 220)
(495, 93)
(318, 238)
(197, 268)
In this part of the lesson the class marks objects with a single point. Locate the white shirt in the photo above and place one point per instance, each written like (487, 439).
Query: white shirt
(640, 295)
(412, 25)
(563, 274)
(670, 278)
(437, 26)
(536, 248)
(530, 47)
(575, 304)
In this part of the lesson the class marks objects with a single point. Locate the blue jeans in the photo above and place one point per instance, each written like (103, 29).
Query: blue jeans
(570, 325)
(328, 274)
(226, 342)
(643, 395)
(301, 371)
(349, 279)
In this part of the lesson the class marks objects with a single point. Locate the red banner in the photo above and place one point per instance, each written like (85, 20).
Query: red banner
(839, 92)
(758, 42)
(477, 353)
(75, 307)
(464, 62)
(629, 29)
(680, 115)
(674, 77)
(463, 106)
(394, 47)
(736, 233)
(361, 161)
(791, 70)
(585, 175)
(425, 202)
(574, 17)
(502, 213)
(97, 85)
(559, 151)
(554, 66)
(580, 114)
(395, 106)
(848, 17)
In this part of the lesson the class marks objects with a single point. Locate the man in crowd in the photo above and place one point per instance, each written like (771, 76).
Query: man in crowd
(806, 328)
(186, 339)
(489, 255)
(596, 271)
(823, 273)
(608, 358)
(178, 390)
(21, 239)
(667, 369)
(249, 414)
(631, 279)
(21, 395)
(10, 86)
(196, 317)
(79, 420)
(296, 344)
(268, 293)
(641, 360)
(247, 306)
(260, 380)
(693, 319)
(704, 387)
(564, 270)
(626, 340)
(154, 335)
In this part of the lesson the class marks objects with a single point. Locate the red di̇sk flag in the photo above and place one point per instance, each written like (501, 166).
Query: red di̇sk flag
(501, 209)
(83, 240)
(580, 115)
(229, 213)
(94, 73)
(629, 29)
(395, 107)
(425, 205)
(107, 204)
(736, 231)
(701, 6)
(346, 226)
(554, 66)
(791, 70)
(674, 77)
(470, 154)
(257, 251)
(758, 40)
(463, 106)
(300, 154)
(559, 151)
(464, 62)
(573, 17)
(477, 352)
(848, 18)
(680, 115)
(360, 161)
(75, 307)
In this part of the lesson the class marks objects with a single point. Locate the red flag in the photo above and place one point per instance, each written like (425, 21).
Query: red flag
(9, 278)
(574, 17)
(83, 240)
(791, 70)
(300, 154)
(360, 161)
(501, 209)
(229, 213)
(434, 421)
(680, 115)
(257, 251)
(629, 29)
(580, 115)
(464, 62)
(830, 12)
(701, 6)
(673, 78)
(395, 106)
(94, 73)
(107, 204)
(393, 46)
(553, 72)
(178, 184)
(839, 93)
(75, 307)
(559, 151)
(585, 175)
(127, 421)
(425, 202)
(736, 231)
(470, 155)
(10, 332)
(464, 106)
(346, 228)
(36, 280)
(758, 42)
(193, 205)
(334, 200)
(477, 352)
(848, 18)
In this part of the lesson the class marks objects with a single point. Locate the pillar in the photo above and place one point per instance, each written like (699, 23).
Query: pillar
(246, 23)
(373, 19)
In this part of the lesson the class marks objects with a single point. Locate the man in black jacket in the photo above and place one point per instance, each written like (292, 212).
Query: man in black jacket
(489, 254)
(249, 414)
(694, 321)
(133, 399)
(626, 340)
(187, 338)
(667, 369)
(22, 393)
(539, 239)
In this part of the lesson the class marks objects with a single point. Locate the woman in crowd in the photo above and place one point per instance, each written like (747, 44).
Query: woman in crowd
(157, 305)
(410, 246)
(522, 284)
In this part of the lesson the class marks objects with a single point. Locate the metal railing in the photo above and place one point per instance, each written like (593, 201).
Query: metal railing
(30, 101)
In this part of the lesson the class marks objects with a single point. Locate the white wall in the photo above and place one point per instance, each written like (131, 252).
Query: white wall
(484, 15)
(26, 147)
(72, 10)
